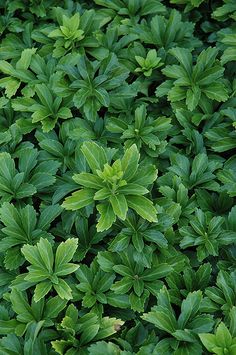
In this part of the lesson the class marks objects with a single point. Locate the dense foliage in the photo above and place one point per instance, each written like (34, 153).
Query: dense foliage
(117, 177)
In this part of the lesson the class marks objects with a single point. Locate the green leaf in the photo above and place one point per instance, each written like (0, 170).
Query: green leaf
(21, 306)
(25, 59)
(156, 273)
(209, 341)
(162, 320)
(42, 290)
(193, 97)
(53, 307)
(46, 253)
(107, 217)
(45, 96)
(129, 162)
(119, 205)
(95, 156)
(88, 180)
(216, 91)
(65, 253)
(223, 336)
(63, 289)
(189, 308)
(143, 207)
(79, 199)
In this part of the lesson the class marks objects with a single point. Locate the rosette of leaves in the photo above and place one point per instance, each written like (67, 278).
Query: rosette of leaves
(117, 187)
(138, 232)
(95, 82)
(76, 33)
(194, 85)
(94, 287)
(168, 32)
(135, 9)
(42, 313)
(189, 136)
(176, 200)
(221, 134)
(196, 173)
(94, 284)
(227, 37)
(47, 108)
(111, 42)
(225, 12)
(181, 330)
(21, 226)
(67, 35)
(78, 332)
(224, 339)
(28, 178)
(135, 279)
(78, 224)
(138, 339)
(207, 234)
(148, 64)
(227, 177)
(180, 284)
(46, 270)
(11, 126)
(9, 21)
(59, 147)
(28, 72)
(147, 133)
(222, 296)
(17, 73)
(12, 45)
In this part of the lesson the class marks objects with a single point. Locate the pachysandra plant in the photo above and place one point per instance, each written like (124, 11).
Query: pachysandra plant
(139, 232)
(46, 271)
(194, 84)
(93, 83)
(183, 330)
(222, 295)
(21, 226)
(46, 108)
(28, 178)
(67, 35)
(207, 234)
(169, 31)
(79, 331)
(188, 281)
(148, 64)
(219, 343)
(148, 133)
(117, 186)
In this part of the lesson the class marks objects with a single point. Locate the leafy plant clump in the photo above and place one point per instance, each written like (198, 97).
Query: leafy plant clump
(118, 177)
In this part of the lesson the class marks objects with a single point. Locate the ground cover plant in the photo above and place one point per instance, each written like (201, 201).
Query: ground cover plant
(117, 177)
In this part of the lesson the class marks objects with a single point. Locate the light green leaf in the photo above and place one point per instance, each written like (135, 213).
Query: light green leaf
(107, 217)
(65, 253)
(129, 162)
(79, 199)
(95, 156)
(119, 205)
(42, 290)
(63, 290)
(143, 206)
